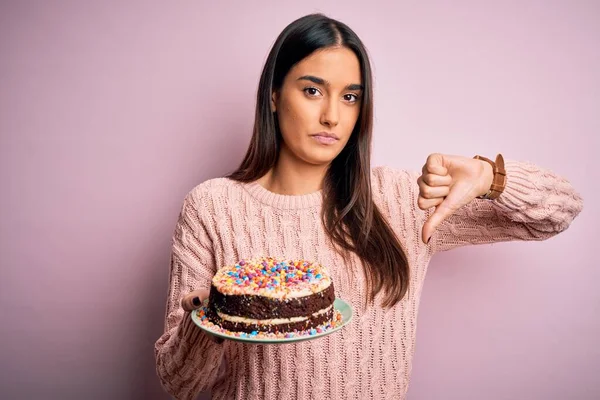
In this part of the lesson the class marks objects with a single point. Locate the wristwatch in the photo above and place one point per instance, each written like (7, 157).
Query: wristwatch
(499, 182)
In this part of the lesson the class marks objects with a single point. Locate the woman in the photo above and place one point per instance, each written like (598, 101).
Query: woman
(305, 190)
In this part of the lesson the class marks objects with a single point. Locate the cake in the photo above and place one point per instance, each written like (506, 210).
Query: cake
(270, 295)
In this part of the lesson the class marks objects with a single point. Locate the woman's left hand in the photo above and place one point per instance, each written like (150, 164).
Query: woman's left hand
(448, 183)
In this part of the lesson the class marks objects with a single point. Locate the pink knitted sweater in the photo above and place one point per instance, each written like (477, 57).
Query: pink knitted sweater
(223, 221)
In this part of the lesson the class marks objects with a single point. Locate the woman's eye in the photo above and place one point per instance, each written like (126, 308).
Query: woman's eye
(311, 91)
(351, 97)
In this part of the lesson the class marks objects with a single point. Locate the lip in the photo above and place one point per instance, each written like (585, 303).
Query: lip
(325, 137)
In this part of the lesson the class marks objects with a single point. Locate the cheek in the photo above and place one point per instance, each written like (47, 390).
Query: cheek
(288, 122)
(348, 120)
(297, 118)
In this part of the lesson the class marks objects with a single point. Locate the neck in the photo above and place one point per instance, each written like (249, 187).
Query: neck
(292, 176)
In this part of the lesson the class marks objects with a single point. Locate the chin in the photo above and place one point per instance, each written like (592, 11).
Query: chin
(320, 162)
(320, 157)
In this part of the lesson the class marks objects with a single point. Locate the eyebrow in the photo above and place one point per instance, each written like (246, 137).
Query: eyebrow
(321, 81)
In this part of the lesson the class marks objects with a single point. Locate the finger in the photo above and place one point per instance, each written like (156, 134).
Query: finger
(426, 204)
(193, 300)
(439, 215)
(435, 164)
(436, 180)
(429, 192)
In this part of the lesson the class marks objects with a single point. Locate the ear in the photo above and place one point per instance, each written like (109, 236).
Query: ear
(274, 101)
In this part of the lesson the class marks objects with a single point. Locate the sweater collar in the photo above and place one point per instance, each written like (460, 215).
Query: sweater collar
(283, 201)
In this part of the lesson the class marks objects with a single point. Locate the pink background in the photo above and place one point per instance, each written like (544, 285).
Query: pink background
(111, 112)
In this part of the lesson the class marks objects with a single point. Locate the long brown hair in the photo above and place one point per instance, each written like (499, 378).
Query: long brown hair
(350, 217)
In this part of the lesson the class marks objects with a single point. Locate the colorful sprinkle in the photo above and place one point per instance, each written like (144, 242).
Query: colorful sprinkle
(272, 277)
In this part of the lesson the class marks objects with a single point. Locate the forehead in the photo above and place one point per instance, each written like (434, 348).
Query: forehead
(338, 65)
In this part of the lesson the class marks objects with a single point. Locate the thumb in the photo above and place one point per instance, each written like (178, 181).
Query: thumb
(193, 300)
(441, 212)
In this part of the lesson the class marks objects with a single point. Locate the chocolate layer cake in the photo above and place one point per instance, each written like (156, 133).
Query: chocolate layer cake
(269, 295)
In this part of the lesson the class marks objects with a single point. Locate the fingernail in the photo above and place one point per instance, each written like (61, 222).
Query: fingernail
(196, 301)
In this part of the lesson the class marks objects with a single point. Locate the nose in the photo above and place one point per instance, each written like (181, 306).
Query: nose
(330, 115)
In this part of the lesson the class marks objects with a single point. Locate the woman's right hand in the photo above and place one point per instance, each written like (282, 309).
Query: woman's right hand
(193, 301)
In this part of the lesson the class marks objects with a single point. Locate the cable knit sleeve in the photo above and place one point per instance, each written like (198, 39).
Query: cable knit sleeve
(535, 205)
(187, 360)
